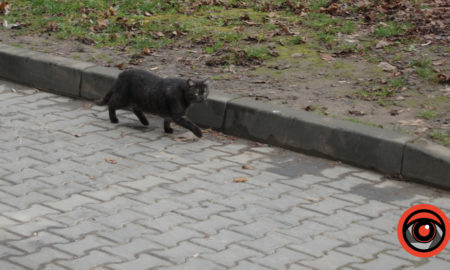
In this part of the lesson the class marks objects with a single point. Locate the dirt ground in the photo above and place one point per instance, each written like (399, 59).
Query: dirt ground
(300, 79)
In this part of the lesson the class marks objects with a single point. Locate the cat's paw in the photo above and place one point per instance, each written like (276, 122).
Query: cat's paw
(198, 133)
(168, 130)
(114, 121)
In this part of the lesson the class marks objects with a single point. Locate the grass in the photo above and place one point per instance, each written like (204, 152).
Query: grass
(355, 120)
(441, 136)
(424, 69)
(392, 29)
(428, 114)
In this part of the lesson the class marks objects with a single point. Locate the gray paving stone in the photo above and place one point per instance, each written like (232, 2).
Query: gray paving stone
(232, 255)
(212, 225)
(132, 249)
(196, 263)
(145, 261)
(10, 266)
(95, 260)
(221, 240)
(26, 215)
(85, 245)
(246, 265)
(383, 261)
(71, 203)
(36, 225)
(270, 242)
(40, 258)
(174, 236)
(318, 247)
(37, 241)
(182, 252)
(281, 259)
(332, 260)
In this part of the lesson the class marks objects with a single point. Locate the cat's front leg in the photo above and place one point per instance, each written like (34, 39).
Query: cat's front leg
(183, 121)
(167, 127)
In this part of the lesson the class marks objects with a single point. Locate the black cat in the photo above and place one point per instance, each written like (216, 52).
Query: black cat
(142, 91)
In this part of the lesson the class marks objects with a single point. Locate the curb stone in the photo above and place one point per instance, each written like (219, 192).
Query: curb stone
(368, 147)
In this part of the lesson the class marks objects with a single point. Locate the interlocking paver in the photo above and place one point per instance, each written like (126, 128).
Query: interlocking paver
(38, 259)
(171, 204)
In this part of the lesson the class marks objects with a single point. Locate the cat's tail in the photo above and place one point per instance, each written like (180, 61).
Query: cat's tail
(105, 99)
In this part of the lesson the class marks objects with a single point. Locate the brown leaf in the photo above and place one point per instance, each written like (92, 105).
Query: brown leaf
(87, 105)
(387, 67)
(86, 41)
(327, 57)
(77, 135)
(310, 108)
(416, 122)
(5, 7)
(356, 112)
(274, 53)
(439, 62)
(146, 51)
(121, 66)
(247, 167)
(382, 43)
(240, 180)
(111, 160)
(395, 112)
(443, 78)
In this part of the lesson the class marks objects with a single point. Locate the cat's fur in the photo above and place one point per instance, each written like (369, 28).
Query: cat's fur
(142, 91)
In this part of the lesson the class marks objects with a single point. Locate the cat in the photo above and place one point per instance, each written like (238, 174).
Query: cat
(142, 91)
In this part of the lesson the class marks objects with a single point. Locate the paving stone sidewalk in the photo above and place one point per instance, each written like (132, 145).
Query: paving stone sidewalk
(77, 192)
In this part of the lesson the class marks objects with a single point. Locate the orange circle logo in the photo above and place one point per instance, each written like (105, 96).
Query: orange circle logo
(423, 230)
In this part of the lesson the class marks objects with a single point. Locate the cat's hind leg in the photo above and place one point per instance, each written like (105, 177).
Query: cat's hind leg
(141, 117)
(167, 127)
(112, 115)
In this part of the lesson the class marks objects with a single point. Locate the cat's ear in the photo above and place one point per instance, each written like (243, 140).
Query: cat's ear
(206, 81)
(190, 83)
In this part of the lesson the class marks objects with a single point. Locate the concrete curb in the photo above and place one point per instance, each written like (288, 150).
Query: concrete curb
(363, 146)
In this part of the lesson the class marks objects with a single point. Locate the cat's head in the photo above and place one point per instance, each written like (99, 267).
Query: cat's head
(197, 91)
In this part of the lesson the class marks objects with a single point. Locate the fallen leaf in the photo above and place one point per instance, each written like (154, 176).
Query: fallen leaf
(5, 7)
(121, 66)
(395, 112)
(274, 53)
(77, 135)
(443, 78)
(85, 40)
(111, 160)
(327, 57)
(416, 122)
(87, 105)
(297, 55)
(387, 67)
(356, 112)
(382, 43)
(439, 62)
(154, 68)
(446, 91)
(240, 180)
(310, 108)
(247, 167)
